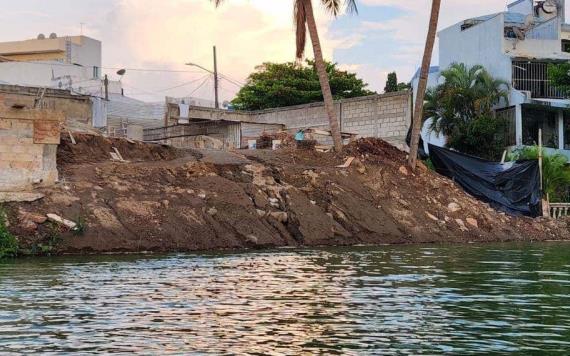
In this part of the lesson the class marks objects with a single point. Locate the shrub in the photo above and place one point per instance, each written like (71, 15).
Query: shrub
(8, 242)
(482, 137)
(555, 171)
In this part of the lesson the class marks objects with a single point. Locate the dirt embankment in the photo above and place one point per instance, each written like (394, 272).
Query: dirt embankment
(169, 200)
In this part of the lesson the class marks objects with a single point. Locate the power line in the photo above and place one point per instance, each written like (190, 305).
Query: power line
(207, 79)
(183, 84)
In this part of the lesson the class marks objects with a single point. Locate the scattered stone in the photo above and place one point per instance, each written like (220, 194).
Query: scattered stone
(461, 224)
(202, 195)
(6, 197)
(453, 207)
(165, 203)
(472, 222)
(274, 202)
(260, 212)
(403, 170)
(59, 220)
(360, 167)
(313, 202)
(212, 211)
(251, 239)
(190, 191)
(433, 217)
(280, 216)
(33, 217)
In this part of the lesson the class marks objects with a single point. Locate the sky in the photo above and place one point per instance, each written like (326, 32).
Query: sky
(386, 35)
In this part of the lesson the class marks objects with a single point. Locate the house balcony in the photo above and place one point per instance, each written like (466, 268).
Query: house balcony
(532, 78)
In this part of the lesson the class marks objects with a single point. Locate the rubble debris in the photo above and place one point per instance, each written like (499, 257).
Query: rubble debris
(346, 163)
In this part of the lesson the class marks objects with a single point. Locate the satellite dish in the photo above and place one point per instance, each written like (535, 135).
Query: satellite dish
(53, 35)
(41, 36)
(121, 72)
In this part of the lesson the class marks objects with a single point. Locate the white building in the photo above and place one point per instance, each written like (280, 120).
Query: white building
(517, 46)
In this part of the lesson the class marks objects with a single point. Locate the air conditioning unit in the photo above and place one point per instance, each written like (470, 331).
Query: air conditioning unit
(527, 94)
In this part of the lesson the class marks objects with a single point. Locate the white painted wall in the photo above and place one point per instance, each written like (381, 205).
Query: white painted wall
(523, 7)
(86, 52)
(481, 44)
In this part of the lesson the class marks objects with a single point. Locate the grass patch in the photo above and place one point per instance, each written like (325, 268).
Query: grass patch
(8, 242)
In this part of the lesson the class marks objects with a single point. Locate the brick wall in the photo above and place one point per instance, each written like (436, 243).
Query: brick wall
(28, 145)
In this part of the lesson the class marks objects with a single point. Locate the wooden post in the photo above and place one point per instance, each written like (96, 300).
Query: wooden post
(540, 157)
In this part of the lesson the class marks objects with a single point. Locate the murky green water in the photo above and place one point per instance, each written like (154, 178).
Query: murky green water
(383, 300)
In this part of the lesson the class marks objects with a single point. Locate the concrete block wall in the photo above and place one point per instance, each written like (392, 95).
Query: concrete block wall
(387, 116)
(25, 161)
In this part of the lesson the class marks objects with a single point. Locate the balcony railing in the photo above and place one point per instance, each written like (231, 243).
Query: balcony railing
(533, 77)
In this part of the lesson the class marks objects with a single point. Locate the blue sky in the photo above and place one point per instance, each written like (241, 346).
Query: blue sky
(387, 35)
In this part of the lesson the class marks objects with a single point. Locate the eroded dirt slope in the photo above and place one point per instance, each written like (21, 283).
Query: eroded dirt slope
(169, 200)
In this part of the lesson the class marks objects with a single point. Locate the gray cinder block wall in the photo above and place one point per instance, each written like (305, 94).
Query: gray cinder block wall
(387, 116)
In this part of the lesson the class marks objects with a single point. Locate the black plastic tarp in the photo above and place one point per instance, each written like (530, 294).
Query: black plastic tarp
(512, 187)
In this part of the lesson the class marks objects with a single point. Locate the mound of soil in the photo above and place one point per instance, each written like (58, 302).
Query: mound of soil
(94, 148)
(205, 200)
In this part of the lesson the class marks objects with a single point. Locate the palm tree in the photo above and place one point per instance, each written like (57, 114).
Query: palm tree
(466, 94)
(304, 19)
(422, 83)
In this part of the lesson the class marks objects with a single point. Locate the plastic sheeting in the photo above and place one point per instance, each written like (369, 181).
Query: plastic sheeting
(512, 187)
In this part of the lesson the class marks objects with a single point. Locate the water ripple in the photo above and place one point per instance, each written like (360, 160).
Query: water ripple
(387, 300)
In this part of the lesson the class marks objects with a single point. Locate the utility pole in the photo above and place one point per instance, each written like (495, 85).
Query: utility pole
(106, 83)
(216, 79)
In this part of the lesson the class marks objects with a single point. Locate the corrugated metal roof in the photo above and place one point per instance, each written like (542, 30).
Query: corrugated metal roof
(122, 108)
(510, 17)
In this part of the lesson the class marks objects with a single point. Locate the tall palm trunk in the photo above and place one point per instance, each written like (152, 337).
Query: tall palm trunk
(323, 76)
(422, 84)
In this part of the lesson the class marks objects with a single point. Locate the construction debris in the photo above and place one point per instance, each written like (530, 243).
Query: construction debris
(347, 163)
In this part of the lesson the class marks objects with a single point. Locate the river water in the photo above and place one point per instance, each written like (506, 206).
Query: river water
(456, 299)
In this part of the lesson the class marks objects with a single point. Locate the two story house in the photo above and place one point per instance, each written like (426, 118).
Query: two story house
(517, 46)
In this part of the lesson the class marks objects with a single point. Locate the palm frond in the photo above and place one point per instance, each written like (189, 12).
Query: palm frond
(217, 2)
(351, 7)
(300, 20)
(332, 6)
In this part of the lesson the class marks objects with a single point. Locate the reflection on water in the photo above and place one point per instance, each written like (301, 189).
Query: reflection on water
(456, 299)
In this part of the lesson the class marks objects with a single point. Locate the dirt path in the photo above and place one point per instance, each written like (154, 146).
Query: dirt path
(167, 200)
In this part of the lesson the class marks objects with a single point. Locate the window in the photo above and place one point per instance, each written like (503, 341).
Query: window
(509, 115)
(566, 46)
(95, 72)
(534, 119)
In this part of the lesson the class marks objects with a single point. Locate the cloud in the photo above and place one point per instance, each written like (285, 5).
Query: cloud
(166, 34)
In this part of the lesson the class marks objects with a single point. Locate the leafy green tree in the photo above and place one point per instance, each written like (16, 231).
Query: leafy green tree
(283, 84)
(462, 108)
(391, 83)
(555, 171)
(559, 74)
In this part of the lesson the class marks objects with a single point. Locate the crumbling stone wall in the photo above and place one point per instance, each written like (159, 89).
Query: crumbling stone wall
(28, 146)
(77, 109)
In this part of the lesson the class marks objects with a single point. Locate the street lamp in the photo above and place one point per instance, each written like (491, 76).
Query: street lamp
(215, 73)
